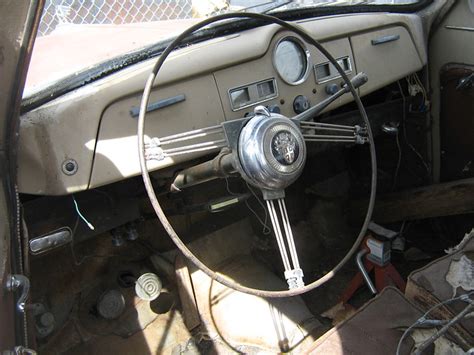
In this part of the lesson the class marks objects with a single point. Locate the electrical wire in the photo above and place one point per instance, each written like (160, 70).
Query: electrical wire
(422, 319)
(84, 257)
(414, 80)
(266, 229)
(444, 329)
(428, 170)
(397, 169)
(91, 227)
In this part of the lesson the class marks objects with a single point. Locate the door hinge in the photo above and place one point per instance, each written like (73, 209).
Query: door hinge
(16, 282)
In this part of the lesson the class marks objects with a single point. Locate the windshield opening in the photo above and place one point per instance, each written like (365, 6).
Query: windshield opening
(75, 35)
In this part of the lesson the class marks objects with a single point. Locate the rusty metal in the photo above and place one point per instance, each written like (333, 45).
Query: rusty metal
(219, 167)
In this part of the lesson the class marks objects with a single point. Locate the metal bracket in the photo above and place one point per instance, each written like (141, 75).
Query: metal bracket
(153, 150)
(294, 278)
(15, 282)
(232, 131)
(361, 134)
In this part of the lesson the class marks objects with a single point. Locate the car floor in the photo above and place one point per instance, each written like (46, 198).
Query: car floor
(230, 321)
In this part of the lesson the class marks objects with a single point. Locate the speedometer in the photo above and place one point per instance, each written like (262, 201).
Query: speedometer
(291, 60)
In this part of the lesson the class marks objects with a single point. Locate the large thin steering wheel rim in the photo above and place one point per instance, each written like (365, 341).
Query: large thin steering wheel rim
(154, 200)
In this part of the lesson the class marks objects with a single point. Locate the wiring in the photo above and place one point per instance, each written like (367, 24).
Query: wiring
(444, 329)
(415, 86)
(397, 169)
(84, 257)
(91, 227)
(422, 320)
(266, 229)
(425, 164)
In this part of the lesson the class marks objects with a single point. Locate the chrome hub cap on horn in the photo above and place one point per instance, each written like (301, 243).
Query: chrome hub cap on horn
(272, 151)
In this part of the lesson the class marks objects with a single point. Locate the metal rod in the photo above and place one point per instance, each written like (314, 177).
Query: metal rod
(357, 80)
(193, 136)
(213, 147)
(349, 130)
(278, 235)
(220, 166)
(289, 234)
(207, 130)
(326, 136)
(363, 271)
(329, 125)
(219, 143)
(331, 140)
(460, 28)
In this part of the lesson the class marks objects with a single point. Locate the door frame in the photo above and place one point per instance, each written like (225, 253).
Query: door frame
(19, 21)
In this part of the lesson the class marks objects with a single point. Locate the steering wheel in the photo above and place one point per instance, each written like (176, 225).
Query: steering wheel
(268, 150)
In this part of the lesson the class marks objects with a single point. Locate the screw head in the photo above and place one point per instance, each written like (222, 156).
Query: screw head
(69, 167)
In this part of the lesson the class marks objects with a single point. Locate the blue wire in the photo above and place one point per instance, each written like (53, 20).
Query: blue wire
(80, 214)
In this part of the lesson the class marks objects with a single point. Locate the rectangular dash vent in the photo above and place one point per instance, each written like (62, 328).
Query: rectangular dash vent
(251, 94)
(326, 71)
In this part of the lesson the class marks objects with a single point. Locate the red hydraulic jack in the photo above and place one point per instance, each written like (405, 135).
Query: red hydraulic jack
(373, 256)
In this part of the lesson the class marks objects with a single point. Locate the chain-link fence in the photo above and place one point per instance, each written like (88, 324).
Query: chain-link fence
(117, 12)
(57, 12)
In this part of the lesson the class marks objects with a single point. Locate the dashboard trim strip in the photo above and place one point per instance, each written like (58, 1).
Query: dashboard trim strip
(135, 110)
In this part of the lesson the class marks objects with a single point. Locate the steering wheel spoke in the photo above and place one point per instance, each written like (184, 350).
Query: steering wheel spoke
(286, 243)
(327, 132)
(201, 140)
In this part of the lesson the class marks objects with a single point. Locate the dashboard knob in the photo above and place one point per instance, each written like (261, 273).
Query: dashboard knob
(274, 109)
(331, 89)
(300, 104)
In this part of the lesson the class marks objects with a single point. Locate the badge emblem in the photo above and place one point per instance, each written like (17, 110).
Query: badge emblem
(285, 148)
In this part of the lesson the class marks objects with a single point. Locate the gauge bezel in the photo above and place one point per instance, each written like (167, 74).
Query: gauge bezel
(305, 50)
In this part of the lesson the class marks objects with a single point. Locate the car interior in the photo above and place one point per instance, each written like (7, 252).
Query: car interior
(301, 182)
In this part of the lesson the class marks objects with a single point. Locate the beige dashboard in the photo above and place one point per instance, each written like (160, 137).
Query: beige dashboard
(93, 126)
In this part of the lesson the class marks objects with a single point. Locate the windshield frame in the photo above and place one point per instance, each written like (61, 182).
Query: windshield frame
(102, 69)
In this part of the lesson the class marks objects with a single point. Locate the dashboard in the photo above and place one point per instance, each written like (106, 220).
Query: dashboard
(87, 138)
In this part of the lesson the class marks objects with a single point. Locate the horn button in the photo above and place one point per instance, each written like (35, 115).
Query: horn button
(272, 151)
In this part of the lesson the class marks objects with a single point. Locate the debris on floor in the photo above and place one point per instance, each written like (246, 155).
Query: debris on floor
(415, 254)
(461, 273)
(339, 312)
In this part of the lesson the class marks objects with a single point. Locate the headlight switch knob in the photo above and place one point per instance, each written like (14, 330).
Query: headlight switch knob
(300, 104)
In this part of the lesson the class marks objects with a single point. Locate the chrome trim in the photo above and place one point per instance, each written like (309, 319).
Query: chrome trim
(254, 102)
(337, 73)
(309, 63)
(460, 28)
(257, 164)
(50, 241)
(267, 148)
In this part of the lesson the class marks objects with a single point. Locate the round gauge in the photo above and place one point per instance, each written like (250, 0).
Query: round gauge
(291, 60)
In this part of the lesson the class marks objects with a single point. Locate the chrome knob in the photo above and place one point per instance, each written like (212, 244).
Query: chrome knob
(261, 110)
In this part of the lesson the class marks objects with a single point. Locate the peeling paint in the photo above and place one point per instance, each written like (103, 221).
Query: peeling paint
(461, 273)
